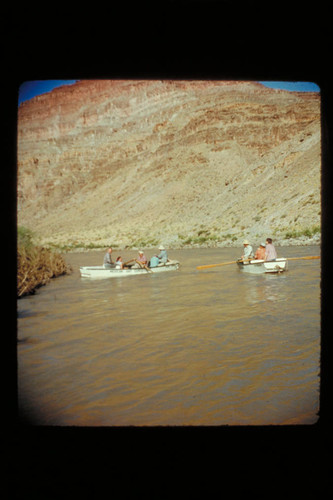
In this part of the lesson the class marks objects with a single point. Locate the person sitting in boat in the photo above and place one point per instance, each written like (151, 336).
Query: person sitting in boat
(154, 261)
(141, 261)
(119, 263)
(108, 262)
(270, 252)
(260, 252)
(248, 250)
(163, 256)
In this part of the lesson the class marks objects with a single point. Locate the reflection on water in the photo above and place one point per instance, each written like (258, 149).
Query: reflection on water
(271, 289)
(188, 347)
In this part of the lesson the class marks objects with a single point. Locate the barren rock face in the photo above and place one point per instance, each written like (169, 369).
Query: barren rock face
(160, 161)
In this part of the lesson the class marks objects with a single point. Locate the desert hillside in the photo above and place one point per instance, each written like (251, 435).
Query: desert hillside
(134, 163)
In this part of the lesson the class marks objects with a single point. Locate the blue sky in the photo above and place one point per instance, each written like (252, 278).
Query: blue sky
(37, 87)
(293, 86)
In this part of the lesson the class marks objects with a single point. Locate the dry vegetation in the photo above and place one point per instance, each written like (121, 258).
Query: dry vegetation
(36, 265)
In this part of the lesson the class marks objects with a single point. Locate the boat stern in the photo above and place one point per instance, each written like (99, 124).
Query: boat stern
(276, 266)
(261, 267)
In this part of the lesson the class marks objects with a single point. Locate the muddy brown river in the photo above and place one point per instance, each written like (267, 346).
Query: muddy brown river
(210, 347)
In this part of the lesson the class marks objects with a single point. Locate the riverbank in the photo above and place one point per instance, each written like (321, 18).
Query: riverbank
(36, 265)
(194, 241)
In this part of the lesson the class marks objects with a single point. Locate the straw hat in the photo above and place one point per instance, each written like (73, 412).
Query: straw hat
(246, 242)
(140, 252)
(263, 245)
(161, 247)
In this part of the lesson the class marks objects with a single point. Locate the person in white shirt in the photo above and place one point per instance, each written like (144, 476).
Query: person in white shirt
(163, 256)
(119, 263)
(248, 250)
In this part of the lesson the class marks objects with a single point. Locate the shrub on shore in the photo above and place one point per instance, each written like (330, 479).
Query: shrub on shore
(308, 232)
(36, 265)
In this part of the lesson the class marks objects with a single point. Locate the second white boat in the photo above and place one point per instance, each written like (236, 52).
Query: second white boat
(261, 267)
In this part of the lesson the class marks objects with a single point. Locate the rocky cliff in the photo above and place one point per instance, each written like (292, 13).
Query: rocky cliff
(146, 162)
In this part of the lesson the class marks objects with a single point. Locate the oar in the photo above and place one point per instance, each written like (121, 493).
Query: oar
(217, 265)
(125, 264)
(304, 258)
(140, 264)
(143, 266)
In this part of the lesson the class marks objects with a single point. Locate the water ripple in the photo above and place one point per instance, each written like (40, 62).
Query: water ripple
(183, 348)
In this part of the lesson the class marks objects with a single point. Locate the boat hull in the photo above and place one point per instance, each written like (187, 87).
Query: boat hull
(102, 272)
(262, 267)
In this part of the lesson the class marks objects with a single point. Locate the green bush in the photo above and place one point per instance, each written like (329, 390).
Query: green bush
(24, 237)
(309, 233)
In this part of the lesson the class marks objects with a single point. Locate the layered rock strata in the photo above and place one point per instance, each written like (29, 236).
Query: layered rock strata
(130, 162)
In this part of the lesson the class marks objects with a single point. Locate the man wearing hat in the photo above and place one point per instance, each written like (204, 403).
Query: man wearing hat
(140, 261)
(260, 252)
(248, 250)
(163, 256)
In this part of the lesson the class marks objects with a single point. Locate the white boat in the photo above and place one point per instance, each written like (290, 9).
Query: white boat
(261, 267)
(102, 272)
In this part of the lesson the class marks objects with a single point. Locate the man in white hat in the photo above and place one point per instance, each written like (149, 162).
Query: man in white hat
(248, 250)
(140, 261)
(163, 256)
(142, 258)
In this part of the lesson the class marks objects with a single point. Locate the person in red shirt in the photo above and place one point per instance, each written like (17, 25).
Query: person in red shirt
(260, 252)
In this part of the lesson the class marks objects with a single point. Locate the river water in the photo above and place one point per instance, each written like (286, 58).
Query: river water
(189, 347)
